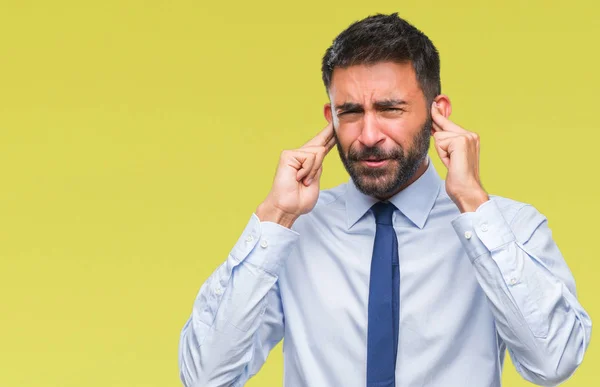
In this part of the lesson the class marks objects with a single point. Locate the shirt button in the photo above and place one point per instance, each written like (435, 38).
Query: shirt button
(513, 281)
(264, 244)
(468, 234)
(249, 239)
(484, 227)
(218, 291)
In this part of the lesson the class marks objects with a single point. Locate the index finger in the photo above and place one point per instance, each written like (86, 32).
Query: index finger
(444, 123)
(323, 138)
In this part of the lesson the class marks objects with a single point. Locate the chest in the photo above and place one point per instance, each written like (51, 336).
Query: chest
(326, 283)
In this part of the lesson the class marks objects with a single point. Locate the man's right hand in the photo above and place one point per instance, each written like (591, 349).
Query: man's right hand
(296, 185)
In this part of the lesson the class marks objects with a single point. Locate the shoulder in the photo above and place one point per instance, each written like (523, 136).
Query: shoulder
(510, 209)
(523, 218)
(513, 210)
(330, 196)
(329, 209)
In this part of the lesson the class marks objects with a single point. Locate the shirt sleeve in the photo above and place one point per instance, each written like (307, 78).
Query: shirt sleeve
(530, 289)
(237, 317)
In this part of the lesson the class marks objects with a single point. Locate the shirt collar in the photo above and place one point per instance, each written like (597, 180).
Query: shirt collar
(415, 201)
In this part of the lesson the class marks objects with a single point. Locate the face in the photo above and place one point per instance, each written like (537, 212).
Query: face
(382, 124)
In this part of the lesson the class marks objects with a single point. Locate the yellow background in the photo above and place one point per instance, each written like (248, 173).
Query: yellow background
(137, 137)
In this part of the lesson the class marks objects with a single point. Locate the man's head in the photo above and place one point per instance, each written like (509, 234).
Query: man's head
(382, 74)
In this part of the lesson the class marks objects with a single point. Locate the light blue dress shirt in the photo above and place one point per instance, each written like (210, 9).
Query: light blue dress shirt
(471, 286)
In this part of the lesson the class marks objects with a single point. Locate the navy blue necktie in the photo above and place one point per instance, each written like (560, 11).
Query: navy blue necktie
(384, 302)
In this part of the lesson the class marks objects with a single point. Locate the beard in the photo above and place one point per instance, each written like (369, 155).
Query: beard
(385, 181)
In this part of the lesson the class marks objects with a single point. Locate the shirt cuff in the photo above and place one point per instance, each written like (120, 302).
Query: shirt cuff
(264, 244)
(484, 230)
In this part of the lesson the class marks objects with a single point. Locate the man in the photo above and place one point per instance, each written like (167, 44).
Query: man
(396, 278)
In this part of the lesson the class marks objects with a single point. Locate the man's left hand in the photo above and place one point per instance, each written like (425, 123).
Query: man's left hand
(459, 151)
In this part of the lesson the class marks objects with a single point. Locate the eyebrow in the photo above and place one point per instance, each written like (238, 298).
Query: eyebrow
(389, 103)
(382, 104)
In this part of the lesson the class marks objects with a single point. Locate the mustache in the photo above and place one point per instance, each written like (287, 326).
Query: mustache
(375, 153)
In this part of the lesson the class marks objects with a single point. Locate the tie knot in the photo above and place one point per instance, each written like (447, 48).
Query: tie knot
(383, 212)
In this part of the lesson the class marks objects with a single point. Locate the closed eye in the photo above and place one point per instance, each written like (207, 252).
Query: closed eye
(349, 112)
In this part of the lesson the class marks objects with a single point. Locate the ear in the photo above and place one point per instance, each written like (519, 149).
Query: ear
(444, 105)
(327, 112)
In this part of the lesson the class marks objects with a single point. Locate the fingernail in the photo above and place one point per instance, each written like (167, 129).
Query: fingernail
(308, 181)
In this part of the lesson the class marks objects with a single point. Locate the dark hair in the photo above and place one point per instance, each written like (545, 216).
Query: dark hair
(382, 38)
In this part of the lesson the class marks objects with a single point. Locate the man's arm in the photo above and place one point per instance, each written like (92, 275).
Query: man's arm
(530, 290)
(237, 317)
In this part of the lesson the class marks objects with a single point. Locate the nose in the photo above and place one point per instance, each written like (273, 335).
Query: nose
(370, 134)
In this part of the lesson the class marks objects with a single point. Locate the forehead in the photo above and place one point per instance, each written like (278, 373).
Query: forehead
(363, 83)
